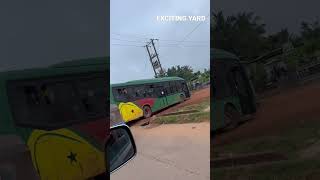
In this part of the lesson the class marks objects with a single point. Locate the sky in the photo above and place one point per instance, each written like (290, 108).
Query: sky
(276, 14)
(37, 33)
(133, 23)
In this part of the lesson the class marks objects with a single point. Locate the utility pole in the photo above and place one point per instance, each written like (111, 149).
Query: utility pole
(154, 59)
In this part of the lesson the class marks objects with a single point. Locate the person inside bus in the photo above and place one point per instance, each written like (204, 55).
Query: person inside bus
(126, 95)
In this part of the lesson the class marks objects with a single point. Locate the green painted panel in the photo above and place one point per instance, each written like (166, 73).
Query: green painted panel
(217, 113)
(174, 98)
(159, 104)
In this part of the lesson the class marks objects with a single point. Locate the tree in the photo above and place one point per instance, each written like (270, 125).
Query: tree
(278, 39)
(241, 34)
(310, 33)
(185, 72)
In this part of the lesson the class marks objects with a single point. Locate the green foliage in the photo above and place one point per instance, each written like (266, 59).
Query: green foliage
(186, 72)
(241, 34)
(244, 35)
(310, 33)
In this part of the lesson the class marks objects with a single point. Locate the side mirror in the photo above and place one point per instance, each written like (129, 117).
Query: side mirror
(120, 147)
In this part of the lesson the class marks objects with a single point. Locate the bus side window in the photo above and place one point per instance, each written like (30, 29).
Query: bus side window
(32, 95)
(172, 87)
(131, 94)
(140, 92)
(121, 94)
(93, 96)
(167, 88)
(178, 86)
(117, 94)
(150, 90)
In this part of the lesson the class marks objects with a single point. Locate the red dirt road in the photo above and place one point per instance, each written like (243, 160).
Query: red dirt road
(278, 112)
(196, 97)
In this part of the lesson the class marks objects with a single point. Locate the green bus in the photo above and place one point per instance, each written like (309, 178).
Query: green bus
(53, 121)
(142, 98)
(233, 96)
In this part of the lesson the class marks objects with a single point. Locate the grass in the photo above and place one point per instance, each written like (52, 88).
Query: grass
(197, 117)
(200, 107)
(184, 118)
(290, 142)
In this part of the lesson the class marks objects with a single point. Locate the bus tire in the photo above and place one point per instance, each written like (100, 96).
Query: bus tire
(147, 112)
(182, 97)
(231, 117)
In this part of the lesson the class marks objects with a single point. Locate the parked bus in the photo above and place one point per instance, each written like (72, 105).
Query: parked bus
(233, 96)
(141, 98)
(53, 121)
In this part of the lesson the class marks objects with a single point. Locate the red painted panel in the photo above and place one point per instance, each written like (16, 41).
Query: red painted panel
(146, 101)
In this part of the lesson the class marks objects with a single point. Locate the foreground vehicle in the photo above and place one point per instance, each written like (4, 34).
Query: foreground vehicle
(120, 143)
(53, 121)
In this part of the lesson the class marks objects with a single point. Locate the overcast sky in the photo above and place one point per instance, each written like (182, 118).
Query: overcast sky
(133, 23)
(276, 14)
(37, 33)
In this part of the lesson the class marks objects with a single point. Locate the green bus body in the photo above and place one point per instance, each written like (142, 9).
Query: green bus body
(134, 98)
(231, 87)
(55, 147)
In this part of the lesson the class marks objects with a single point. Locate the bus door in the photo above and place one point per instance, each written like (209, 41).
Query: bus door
(162, 95)
(242, 86)
(185, 89)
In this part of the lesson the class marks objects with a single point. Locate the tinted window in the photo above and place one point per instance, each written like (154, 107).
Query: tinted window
(93, 96)
(172, 87)
(140, 91)
(167, 88)
(178, 85)
(150, 90)
(122, 94)
(58, 102)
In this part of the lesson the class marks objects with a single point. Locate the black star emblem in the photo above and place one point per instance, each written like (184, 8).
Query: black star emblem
(72, 156)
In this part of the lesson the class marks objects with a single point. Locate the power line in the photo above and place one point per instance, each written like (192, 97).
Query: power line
(166, 40)
(182, 46)
(162, 45)
(196, 27)
(145, 37)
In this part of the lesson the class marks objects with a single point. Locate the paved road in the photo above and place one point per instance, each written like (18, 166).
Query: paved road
(171, 152)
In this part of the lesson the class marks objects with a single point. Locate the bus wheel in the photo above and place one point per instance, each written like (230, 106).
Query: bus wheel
(147, 112)
(231, 117)
(182, 98)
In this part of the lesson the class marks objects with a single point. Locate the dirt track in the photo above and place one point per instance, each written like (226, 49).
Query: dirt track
(196, 97)
(277, 112)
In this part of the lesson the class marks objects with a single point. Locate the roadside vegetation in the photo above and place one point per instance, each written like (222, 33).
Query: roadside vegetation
(201, 113)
